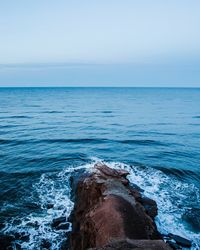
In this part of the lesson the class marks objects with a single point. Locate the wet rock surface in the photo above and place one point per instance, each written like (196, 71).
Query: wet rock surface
(111, 214)
(180, 240)
(177, 242)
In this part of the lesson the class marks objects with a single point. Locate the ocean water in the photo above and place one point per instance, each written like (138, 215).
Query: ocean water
(48, 135)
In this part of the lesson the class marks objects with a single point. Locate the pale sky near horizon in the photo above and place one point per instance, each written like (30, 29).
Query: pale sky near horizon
(100, 43)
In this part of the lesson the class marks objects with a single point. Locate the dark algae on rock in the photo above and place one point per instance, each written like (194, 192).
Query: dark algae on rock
(111, 214)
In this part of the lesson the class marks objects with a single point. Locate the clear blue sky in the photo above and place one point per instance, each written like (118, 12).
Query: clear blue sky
(100, 43)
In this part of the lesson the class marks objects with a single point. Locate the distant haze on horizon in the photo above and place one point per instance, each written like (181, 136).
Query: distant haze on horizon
(100, 43)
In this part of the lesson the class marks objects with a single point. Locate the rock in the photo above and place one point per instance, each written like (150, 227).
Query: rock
(135, 245)
(173, 245)
(49, 206)
(63, 226)
(136, 194)
(150, 206)
(111, 172)
(180, 240)
(108, 209)
(6, 242)
(57, 221)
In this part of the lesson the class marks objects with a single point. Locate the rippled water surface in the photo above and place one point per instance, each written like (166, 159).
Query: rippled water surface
(48, 135)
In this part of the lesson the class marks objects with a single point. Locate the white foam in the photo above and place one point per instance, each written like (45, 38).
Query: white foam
(172, 197)
(169, 193)
(53, 194)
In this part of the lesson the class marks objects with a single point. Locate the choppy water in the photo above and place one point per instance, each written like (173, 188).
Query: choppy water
(48, 135)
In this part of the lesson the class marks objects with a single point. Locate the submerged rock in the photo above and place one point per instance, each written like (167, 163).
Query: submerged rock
(180, 240)
(56, 222)
(63, 226)
(110, 214)
(173, 245)
(49, 205)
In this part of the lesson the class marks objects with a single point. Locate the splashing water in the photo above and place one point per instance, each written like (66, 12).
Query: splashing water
(173, 199)
(53, 193)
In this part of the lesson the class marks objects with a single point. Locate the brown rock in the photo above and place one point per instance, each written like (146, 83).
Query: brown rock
(135, 245)
(108, 209)
(111, 172)
(150, 206)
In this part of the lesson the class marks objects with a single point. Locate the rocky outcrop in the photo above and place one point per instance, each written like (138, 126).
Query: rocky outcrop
(110, 214)
(134, 244)
(177, 242)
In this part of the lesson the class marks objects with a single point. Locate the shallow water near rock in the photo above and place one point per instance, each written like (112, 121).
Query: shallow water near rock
(48, 136)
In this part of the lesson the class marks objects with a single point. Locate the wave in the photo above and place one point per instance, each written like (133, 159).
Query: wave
(143, 142)
(84, 141)
(59, 158)
(6, 141)
(52, 112)
(107, 111)
(194, 124)
(49, 141)
(16, 117)
(53, 194)
(13, 142)
(181, 173)
(11, 126)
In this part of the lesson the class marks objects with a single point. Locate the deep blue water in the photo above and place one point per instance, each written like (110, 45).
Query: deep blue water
(50, 134)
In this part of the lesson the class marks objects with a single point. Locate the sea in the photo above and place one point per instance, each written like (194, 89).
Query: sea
(50, 135)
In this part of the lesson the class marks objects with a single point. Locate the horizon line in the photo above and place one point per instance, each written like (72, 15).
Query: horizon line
(169, 87)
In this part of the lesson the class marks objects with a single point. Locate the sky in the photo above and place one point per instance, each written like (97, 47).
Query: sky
(100, 43)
